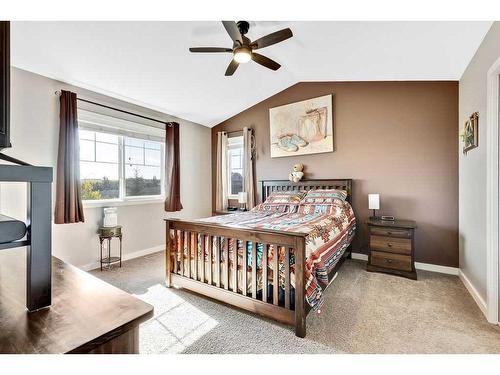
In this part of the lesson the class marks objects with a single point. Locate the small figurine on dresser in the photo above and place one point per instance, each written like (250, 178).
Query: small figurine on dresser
(297, 173)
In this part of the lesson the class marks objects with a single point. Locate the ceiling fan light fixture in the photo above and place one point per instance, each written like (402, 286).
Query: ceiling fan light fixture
(242, 55)
(243, 48)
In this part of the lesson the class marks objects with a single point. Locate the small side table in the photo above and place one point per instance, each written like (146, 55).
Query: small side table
(107, 233)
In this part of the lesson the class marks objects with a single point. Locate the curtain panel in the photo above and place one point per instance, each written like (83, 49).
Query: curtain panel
(221, 198)
(68, 195)
(248, 167)
(172, 168)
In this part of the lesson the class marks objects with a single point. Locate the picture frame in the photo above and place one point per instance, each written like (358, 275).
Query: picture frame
(470, 133)
(302, 128)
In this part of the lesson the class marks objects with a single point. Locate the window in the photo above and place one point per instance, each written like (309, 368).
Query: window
(119, 167)
(99, 165)
(235, 166)
(142, 167)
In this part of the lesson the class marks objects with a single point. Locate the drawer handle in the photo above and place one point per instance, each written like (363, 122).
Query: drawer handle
(389, 233)
(389, 244)
(388, 260)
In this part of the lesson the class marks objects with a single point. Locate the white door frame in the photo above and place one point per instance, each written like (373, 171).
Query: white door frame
(492, 196)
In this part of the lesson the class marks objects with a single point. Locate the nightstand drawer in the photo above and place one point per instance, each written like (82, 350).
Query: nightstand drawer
(393, 261)
(391, 244)
(380, 231)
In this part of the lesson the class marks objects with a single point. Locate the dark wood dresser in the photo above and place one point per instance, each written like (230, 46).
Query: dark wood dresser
(87, 315)
(392, 247)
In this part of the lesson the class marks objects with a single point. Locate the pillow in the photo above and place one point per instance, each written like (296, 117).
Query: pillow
(324, 197)
(282, 201)
(285, 197)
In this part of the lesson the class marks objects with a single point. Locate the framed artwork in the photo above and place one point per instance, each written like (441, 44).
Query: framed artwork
(470, 133)
(302, 128)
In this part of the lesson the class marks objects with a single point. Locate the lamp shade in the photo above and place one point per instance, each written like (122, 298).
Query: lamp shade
(373, 201)
(242, 197)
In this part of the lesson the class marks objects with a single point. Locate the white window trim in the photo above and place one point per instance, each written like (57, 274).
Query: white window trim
(123, 200)
(229, 147)
(127, 202)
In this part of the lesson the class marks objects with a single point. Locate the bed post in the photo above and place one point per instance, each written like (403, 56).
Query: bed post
(168, 262)
(300, 285)
(262, 192)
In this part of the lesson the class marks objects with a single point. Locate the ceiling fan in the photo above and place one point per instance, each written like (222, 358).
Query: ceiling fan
(243, 48)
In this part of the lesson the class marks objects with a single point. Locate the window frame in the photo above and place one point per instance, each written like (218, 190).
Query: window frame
(230, 147)
(123, 199)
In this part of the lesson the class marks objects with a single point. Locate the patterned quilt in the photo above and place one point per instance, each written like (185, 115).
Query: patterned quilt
(330, 231)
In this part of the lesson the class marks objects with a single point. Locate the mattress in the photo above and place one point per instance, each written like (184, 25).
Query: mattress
(11, 229)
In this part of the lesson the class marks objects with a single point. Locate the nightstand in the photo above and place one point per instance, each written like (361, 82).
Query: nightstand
(392, 247)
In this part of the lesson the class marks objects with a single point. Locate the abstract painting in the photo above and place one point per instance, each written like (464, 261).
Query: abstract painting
(302, 128)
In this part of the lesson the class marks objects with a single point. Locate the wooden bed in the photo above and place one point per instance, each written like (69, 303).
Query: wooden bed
(217, 284)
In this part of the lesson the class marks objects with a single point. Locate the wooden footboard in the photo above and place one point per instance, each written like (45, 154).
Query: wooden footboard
(208, 271)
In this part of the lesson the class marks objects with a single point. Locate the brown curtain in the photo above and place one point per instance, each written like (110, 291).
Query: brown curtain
(68, 197)
(172, 168)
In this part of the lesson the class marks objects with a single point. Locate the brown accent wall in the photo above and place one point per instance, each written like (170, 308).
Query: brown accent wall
(398, 139)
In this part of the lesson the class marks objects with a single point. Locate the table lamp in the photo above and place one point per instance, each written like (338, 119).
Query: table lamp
(242, 200)
(374, 204)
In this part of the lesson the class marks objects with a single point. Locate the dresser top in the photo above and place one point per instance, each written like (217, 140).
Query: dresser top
(85, 311)
(409, 224)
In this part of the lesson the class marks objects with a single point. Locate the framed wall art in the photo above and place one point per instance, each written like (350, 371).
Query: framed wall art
(302, 128)
(470, 133)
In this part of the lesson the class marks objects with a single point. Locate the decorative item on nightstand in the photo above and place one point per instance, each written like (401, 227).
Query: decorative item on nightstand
(110, 217)
(374, 204)
(392, 247)
(242, 200)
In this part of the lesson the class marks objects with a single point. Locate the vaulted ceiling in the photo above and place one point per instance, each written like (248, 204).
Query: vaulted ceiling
(148, 63)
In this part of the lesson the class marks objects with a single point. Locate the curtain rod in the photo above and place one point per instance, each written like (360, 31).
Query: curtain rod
(58, 93)
(235, 131)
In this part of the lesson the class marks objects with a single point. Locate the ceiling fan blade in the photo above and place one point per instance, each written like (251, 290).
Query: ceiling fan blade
(210, 49)
(265, 61)
(273, 38)
(233, 65)
(233, 31)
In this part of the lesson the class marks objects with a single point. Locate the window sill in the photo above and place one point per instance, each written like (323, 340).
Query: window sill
(117, 203)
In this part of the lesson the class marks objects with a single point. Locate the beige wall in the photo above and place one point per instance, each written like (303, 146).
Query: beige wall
(472, 168)
(35, 129)
(398, 139)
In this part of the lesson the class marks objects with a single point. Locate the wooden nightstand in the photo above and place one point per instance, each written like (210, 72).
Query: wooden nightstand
(392, 247)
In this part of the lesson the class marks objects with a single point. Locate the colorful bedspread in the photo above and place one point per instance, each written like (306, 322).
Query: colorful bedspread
(329, 229)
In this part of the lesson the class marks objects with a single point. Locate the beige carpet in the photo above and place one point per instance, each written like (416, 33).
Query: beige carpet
(363, 313)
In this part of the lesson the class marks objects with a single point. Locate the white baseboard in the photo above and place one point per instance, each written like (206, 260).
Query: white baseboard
(474, 293)
(437, 268)
(419, 266)
(135, 254)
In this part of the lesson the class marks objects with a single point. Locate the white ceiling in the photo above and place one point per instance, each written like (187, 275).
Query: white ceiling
(148, 63)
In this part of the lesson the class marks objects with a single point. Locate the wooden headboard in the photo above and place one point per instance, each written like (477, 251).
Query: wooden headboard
(266, 187)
